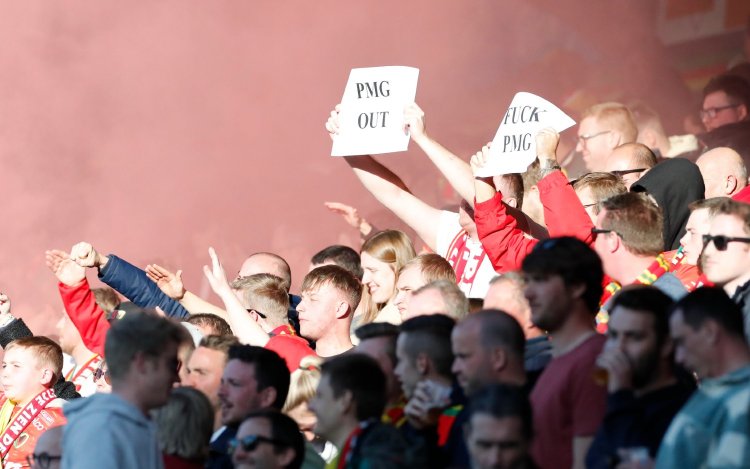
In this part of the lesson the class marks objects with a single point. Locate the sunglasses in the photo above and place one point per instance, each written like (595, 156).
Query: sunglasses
(722, 242)
(623, 172)
(100, 373)
(42, 460)
(251, 310)
(596, 231)
(250, 442)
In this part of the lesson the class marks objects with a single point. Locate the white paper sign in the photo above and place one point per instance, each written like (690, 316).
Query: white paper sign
(371, 118)
(514, 146)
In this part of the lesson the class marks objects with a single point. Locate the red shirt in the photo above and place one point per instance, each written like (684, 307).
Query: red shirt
(289, 346)
(743, 195)
(567, 403)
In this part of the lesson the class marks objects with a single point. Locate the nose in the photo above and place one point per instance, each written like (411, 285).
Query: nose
(366, 277)
(579, 145)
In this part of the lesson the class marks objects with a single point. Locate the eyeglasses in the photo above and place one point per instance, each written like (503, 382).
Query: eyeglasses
(722, 242)
(713, 111)
(623, 172)
(251, 311)
(596, 231)
(583, 139)
(250, 442)
(102, 372)
(41, 460)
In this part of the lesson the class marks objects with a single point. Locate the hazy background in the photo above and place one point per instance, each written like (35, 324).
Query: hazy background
(154, 129)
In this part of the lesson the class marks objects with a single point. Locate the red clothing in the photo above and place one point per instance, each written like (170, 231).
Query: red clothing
(506, 245)
(688, 274)
(50, 416)
(289, 346)
(86, 315)
(567, 403)
(743, 195)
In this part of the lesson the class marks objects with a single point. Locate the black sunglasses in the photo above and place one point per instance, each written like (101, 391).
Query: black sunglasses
(256, 312)
(596, 231)
(250, 442)
(102, 372)
(42, 460)
(623, 172)
(722, 242)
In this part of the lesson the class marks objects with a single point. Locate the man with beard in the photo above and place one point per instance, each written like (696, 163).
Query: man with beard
(644, 393)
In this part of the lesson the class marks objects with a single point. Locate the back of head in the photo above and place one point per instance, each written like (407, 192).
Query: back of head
(674, 184)
(303, 382)
(185, 424)
(47, 353)
(511, 187)
(390, 246)
(384, 330)
(361, 376)
(430, 335)
(641, 156)
(646, 300)
(502, 401)
(139, 332)
(342, 256)
(711, 304)
(615, 117)
(716, 166)
(455, 301)
(268, 263)
(338, 278)
(573, 260)
(433, 267)
(211, 324)
(270, 369)
(602, 186)
(735, 87)
(106, 298)
(646, 119)
(266, 294)
(637, 221)
(285, 432)
(219, 343)
(499, 329)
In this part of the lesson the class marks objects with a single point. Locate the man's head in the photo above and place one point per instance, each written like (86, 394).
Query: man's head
(511, 188)
(206, 365)
(351, 390)
(418, 272)
(724, 172)
(725, 259)
(330, 294)
(594, 188)
(726, 100)
(506, 293)
(629, 225)
(698, 224)
(254, 378)
(106, 298)
(267, 263)
(141, 351)
(268, 439)
(378, 340)
(650, 129)
(30, 365)
(630, 161)
(603, 127)
(438, 297)
(342, 256)
(702, 324)
(210, 324)
(639, 327)
(266, 298)
(488, 347)
(532, 204)
(48, 450)
(498, 428)
(424, 351)
(563, 277)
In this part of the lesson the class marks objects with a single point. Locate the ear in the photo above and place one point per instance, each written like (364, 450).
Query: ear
(285, 457)
(577, 290)
(533, 188)
(613, 242)
(346, 403)
(667, 348)
(268, 396)
(730, 184)
(48, 378)
(613, 139)
(140, 363)
(256, 317)
(342, 310)
(511, 201)
(422, 364)
(742, 112)
(499, 358)
(710, 331)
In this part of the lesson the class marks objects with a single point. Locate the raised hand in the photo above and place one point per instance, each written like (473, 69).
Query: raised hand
(216, 275)
(64, 268)
(547, 140)
(479, 160)
(4, 304)
(85, 255)
(332, 124)
(414, 121)
(169, 283)
(351, 216)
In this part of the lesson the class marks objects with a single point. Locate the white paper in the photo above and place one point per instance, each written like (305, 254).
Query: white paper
(514, 146)
(371, 117)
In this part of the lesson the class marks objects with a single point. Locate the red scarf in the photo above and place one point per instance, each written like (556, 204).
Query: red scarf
(23, 419)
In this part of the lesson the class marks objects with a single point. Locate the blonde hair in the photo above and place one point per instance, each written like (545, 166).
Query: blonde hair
(615, 117)
(395, 249)
(47, 352)
(303, 383)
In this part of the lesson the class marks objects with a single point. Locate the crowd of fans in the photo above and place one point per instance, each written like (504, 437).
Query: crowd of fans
(553, 320)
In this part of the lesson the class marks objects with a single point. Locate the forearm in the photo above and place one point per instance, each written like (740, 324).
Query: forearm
(247, 330)
(455, 170)
(563, 213)
(197, 305)
(85, 314)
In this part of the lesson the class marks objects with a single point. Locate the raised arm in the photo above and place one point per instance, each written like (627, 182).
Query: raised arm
(455, 170)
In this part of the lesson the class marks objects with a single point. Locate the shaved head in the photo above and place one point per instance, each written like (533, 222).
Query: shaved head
(724, 172)
(267, 263)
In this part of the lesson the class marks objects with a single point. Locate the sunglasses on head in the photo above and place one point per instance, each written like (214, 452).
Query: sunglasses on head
(722, 242)
(250, 442)
(102, 372)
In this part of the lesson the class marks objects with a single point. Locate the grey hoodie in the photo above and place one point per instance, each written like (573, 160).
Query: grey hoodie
(104, 430)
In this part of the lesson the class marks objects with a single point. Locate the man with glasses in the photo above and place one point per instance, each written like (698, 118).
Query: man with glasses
(48, 450)
(725, 260)
(602, 128)
(268, 439)
(726, 100)
(630, 161)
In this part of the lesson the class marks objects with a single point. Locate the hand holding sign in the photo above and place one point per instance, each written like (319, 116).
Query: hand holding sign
(370, 117)
(514, 146)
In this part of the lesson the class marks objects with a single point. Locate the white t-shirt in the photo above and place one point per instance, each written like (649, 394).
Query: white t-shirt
(477, 268)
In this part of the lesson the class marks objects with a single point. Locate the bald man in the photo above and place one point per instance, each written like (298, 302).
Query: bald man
(724, 172)
(266, 263)
(630, 161)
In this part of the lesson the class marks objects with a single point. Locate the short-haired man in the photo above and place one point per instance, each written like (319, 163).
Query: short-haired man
(348, 405)
(141, 351)
(438, 297)
(724, 172)
(603, 128)
(210, 324)
(268, 439)
(418, 272)
(498, 428)
(254, 378)
(266, 263)
(28, 405)
(330, 295)
(630, 161)
(725, 260)
(342, 256)
(726, 100)
(563, 285)
(685, 260)
(644, 392)
(713, 428)
(594, 188)
(629, 241)
(378, 341)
